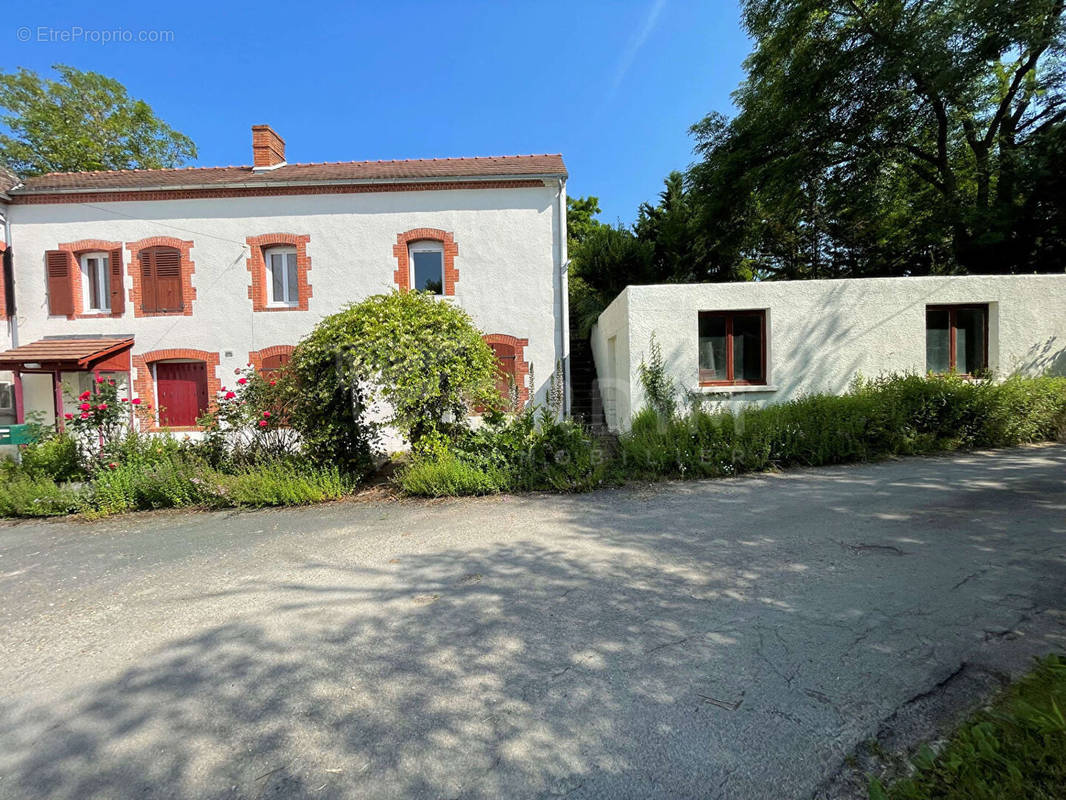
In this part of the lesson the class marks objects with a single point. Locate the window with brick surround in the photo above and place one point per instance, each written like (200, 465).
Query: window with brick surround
(279, 266)
(85, 279)
(179, 383)
(512, 369)
(418, 253)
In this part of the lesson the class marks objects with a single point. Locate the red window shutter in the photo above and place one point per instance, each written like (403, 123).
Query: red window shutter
(147, 259)
(118, 294)
(168, 279)
(60, 291)
(161, 279)
(506, 369)
(271, 363)
(182, 390)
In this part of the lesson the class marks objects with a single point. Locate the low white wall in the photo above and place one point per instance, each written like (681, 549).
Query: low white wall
(822, 334)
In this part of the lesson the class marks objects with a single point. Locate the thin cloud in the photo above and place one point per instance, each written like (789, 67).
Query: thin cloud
(635, 43)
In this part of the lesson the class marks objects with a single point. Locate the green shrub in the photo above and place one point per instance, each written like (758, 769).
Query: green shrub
(23, 495)
(56, 457)
(1014, 751)
(528, 451)
(420, 354)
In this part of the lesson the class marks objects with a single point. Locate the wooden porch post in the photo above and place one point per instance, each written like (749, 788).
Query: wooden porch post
(20, 408)
(57, 385)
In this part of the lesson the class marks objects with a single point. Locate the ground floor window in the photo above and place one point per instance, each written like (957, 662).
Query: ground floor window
(956, 339)
(181, 389)
(732, 347)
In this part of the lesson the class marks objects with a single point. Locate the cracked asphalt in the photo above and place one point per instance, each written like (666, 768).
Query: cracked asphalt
(732, 638)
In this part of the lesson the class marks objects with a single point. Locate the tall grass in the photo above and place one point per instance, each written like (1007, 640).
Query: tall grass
(899, 415)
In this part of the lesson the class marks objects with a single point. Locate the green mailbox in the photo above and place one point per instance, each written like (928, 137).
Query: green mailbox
(16, 434)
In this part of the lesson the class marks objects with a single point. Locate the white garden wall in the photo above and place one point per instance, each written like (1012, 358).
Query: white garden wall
(822, 334)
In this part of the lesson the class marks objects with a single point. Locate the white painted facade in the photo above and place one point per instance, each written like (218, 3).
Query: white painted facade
(821, 334)
(511, 252)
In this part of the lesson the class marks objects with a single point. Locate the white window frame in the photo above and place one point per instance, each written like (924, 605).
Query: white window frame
(284, 302)
(426, 246)
(103, 278)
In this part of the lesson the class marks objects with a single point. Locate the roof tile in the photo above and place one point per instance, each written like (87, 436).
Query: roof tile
(354, 171)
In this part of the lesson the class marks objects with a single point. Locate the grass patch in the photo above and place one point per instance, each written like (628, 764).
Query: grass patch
(1016, 750)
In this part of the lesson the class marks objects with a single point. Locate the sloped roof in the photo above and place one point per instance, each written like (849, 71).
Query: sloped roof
(490, 167)
(74, 352)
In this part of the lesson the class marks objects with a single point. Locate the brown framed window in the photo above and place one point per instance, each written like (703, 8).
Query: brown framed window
(732, 347)
(161, 291)
(956, 339)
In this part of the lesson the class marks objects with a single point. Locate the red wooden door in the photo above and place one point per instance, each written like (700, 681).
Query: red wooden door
(182, 388)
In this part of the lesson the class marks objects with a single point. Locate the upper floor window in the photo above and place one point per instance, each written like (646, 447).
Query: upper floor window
(732, 347)
(282, 276)
(161, 290)
(956, 339)
(427, 267)
(96, 282)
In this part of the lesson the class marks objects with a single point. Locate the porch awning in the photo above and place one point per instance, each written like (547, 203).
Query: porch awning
(69, 355)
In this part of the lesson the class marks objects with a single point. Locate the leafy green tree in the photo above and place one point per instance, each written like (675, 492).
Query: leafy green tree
(580, 219)
(889, 137)
(421, 355)
(82, 121)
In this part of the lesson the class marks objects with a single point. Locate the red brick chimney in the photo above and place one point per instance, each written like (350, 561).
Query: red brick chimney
(268, 149)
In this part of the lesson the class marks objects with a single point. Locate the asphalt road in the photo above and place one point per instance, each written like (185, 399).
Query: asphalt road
(710, 639)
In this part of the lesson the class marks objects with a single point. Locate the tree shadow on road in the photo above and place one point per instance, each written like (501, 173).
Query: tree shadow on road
(675, 641)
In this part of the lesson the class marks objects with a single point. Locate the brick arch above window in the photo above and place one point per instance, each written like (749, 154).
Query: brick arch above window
(256, 263)
(74, 251)
(402, 276)
(269, 357)
(188, 291)
(144, 383)
(510, 350)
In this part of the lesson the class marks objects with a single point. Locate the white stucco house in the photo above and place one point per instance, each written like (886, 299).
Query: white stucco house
(728, 344)
(171, 279)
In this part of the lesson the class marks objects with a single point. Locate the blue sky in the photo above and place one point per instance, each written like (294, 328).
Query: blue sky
(613, 86)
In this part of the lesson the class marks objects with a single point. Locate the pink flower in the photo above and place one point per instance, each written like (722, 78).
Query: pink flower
(230, 395)
(84, 395)
(102, 406)
(237, 371)
(273, 383)
(249, 363)
(100, 378)
(85, 406)
(136, 401)
(242, 381)
(68, 416)
(112, 465)
(266, 413)
(262, 423)
(83, 415)
(123, 400)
